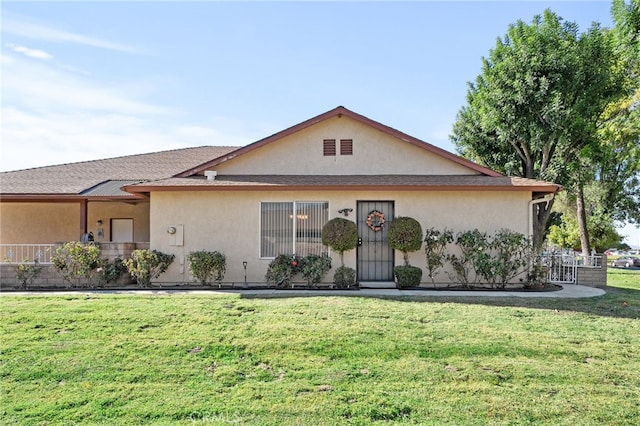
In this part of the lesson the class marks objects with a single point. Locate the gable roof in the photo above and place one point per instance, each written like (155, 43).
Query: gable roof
(98, 178)
(339, 112)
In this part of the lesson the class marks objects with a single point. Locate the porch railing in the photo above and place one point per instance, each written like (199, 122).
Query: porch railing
(26, 253)
(594, 261)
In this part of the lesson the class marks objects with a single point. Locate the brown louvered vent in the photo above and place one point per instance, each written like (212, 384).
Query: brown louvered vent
(329, 147)
(346, 146)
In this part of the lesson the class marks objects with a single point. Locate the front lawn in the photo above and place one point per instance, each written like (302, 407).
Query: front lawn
(187, 359)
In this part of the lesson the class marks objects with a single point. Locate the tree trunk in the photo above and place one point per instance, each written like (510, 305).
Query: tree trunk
(541, 213)
(582, 221)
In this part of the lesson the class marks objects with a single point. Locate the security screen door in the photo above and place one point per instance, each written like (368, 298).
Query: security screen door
(375, 257)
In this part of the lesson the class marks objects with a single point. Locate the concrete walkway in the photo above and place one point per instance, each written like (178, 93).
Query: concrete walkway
(568, 291)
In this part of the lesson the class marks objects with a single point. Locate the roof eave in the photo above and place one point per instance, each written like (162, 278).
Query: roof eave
(275, 187)
(61, 198)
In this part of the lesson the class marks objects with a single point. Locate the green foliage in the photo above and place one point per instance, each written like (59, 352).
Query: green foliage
(510, 254)
(435, 245)
(282, 269)
(344, 277)
(27, 272)
(341, 235)
(78, 261)
(407, 276)
(207, 266)
(600, 224)
(405, 234)
(492, 260)
(314, 268)
(112, 271)
(473, 245)
(535, 109)
(146, 265)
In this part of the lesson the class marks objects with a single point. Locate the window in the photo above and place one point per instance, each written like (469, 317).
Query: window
(329, 147)
(346, 146)
(292, 228)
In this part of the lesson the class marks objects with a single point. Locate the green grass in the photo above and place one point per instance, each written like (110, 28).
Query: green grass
(623, 278)
(187, 359)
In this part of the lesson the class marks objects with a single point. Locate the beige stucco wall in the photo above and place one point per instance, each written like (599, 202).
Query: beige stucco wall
(107, 210)
(229, 222)
(374, 152)
(39, 223)
(48, 223)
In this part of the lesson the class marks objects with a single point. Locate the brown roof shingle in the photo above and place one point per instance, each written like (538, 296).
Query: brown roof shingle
(74, 178)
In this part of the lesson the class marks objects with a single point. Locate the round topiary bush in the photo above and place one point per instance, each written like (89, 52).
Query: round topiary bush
(405, 234)
(341, 235)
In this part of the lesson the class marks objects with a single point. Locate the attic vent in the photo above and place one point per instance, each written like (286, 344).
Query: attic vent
(346, 146)
(329, 147)
(210, 174)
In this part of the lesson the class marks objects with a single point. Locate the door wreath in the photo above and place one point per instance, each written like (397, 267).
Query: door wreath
(375, 220)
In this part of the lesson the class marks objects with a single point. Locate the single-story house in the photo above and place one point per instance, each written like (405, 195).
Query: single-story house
(267, 198)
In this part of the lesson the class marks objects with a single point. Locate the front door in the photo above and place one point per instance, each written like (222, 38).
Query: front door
(122, 230)
(375, 257)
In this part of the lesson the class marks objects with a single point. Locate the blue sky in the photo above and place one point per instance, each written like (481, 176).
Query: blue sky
(89, 80)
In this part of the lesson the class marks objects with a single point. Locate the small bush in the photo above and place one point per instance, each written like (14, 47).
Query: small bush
(473, 245)
(146, 265)
(282, 269)
(77, 261)
(207, 266)
(405, 234)
(407, 276)
(28, 272)
(435, 245)
(344, 277)
(112, 271)
(314, 268)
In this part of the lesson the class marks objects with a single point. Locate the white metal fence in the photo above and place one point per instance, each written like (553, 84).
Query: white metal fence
(563, 268)
(26, 253)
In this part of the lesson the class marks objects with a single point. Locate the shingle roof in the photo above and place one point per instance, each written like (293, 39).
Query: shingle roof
(395, 182)
(74, 178)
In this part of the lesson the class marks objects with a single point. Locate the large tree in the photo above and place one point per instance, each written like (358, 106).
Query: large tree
(535, 109)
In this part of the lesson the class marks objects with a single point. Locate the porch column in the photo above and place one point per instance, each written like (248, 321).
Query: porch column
(83, 218)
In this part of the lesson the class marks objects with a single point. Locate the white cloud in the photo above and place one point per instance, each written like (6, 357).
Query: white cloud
(40, 87)
(18, 26)
(50, 116)
(32, 53)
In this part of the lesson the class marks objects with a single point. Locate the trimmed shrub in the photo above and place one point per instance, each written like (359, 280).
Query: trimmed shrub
(405, 234)
(146, 265)
(207, 266)
(408, 276)
(344, 277)
(282, 269)
(314, 268)
(341, 235)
